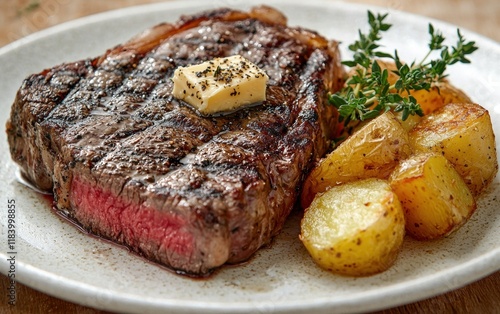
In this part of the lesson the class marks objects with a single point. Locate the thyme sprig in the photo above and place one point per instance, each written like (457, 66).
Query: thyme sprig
(368, 92)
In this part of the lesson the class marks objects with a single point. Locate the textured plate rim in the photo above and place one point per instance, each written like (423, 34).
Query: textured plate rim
(429, 286)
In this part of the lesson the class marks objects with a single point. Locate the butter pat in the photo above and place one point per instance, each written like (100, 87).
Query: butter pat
(221, 84)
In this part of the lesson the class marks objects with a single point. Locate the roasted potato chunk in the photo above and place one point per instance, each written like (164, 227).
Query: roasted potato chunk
(464, 135)
(354, 229)
(436, 201)
(371, 152)
(439, 95)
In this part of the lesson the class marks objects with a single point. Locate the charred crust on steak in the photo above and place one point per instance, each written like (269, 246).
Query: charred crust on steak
(130, 163)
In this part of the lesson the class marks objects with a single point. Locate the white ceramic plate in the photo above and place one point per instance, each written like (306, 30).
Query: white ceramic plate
(56, 258)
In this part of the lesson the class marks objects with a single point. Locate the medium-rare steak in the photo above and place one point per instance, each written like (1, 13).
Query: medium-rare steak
(129, 162)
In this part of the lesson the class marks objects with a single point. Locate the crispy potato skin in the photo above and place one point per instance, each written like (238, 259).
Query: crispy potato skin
(354, 229)
(372, 152)
(462, 133)
(436, 201)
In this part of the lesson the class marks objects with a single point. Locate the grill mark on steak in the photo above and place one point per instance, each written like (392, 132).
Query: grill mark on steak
(131, 163)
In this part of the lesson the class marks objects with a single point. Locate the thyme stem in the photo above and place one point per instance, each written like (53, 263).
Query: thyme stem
(370, 86)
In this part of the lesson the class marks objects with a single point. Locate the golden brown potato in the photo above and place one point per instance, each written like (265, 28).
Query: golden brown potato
(464, 135)
(440, 94)
(436, 201)
(371, 152)
(354, 229)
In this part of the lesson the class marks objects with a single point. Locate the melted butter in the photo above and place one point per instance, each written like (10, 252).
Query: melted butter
(220, 85)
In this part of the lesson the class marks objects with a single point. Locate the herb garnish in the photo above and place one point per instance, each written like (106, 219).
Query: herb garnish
(368, 92)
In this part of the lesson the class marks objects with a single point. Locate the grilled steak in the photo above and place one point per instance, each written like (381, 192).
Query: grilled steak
(130, 163)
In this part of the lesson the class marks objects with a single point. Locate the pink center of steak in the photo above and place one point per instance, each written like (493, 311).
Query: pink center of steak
(138, 226)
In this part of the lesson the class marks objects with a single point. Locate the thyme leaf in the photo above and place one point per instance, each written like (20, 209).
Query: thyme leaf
(368, 92)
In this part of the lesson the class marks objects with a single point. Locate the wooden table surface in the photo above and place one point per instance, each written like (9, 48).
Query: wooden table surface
(19, 18)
